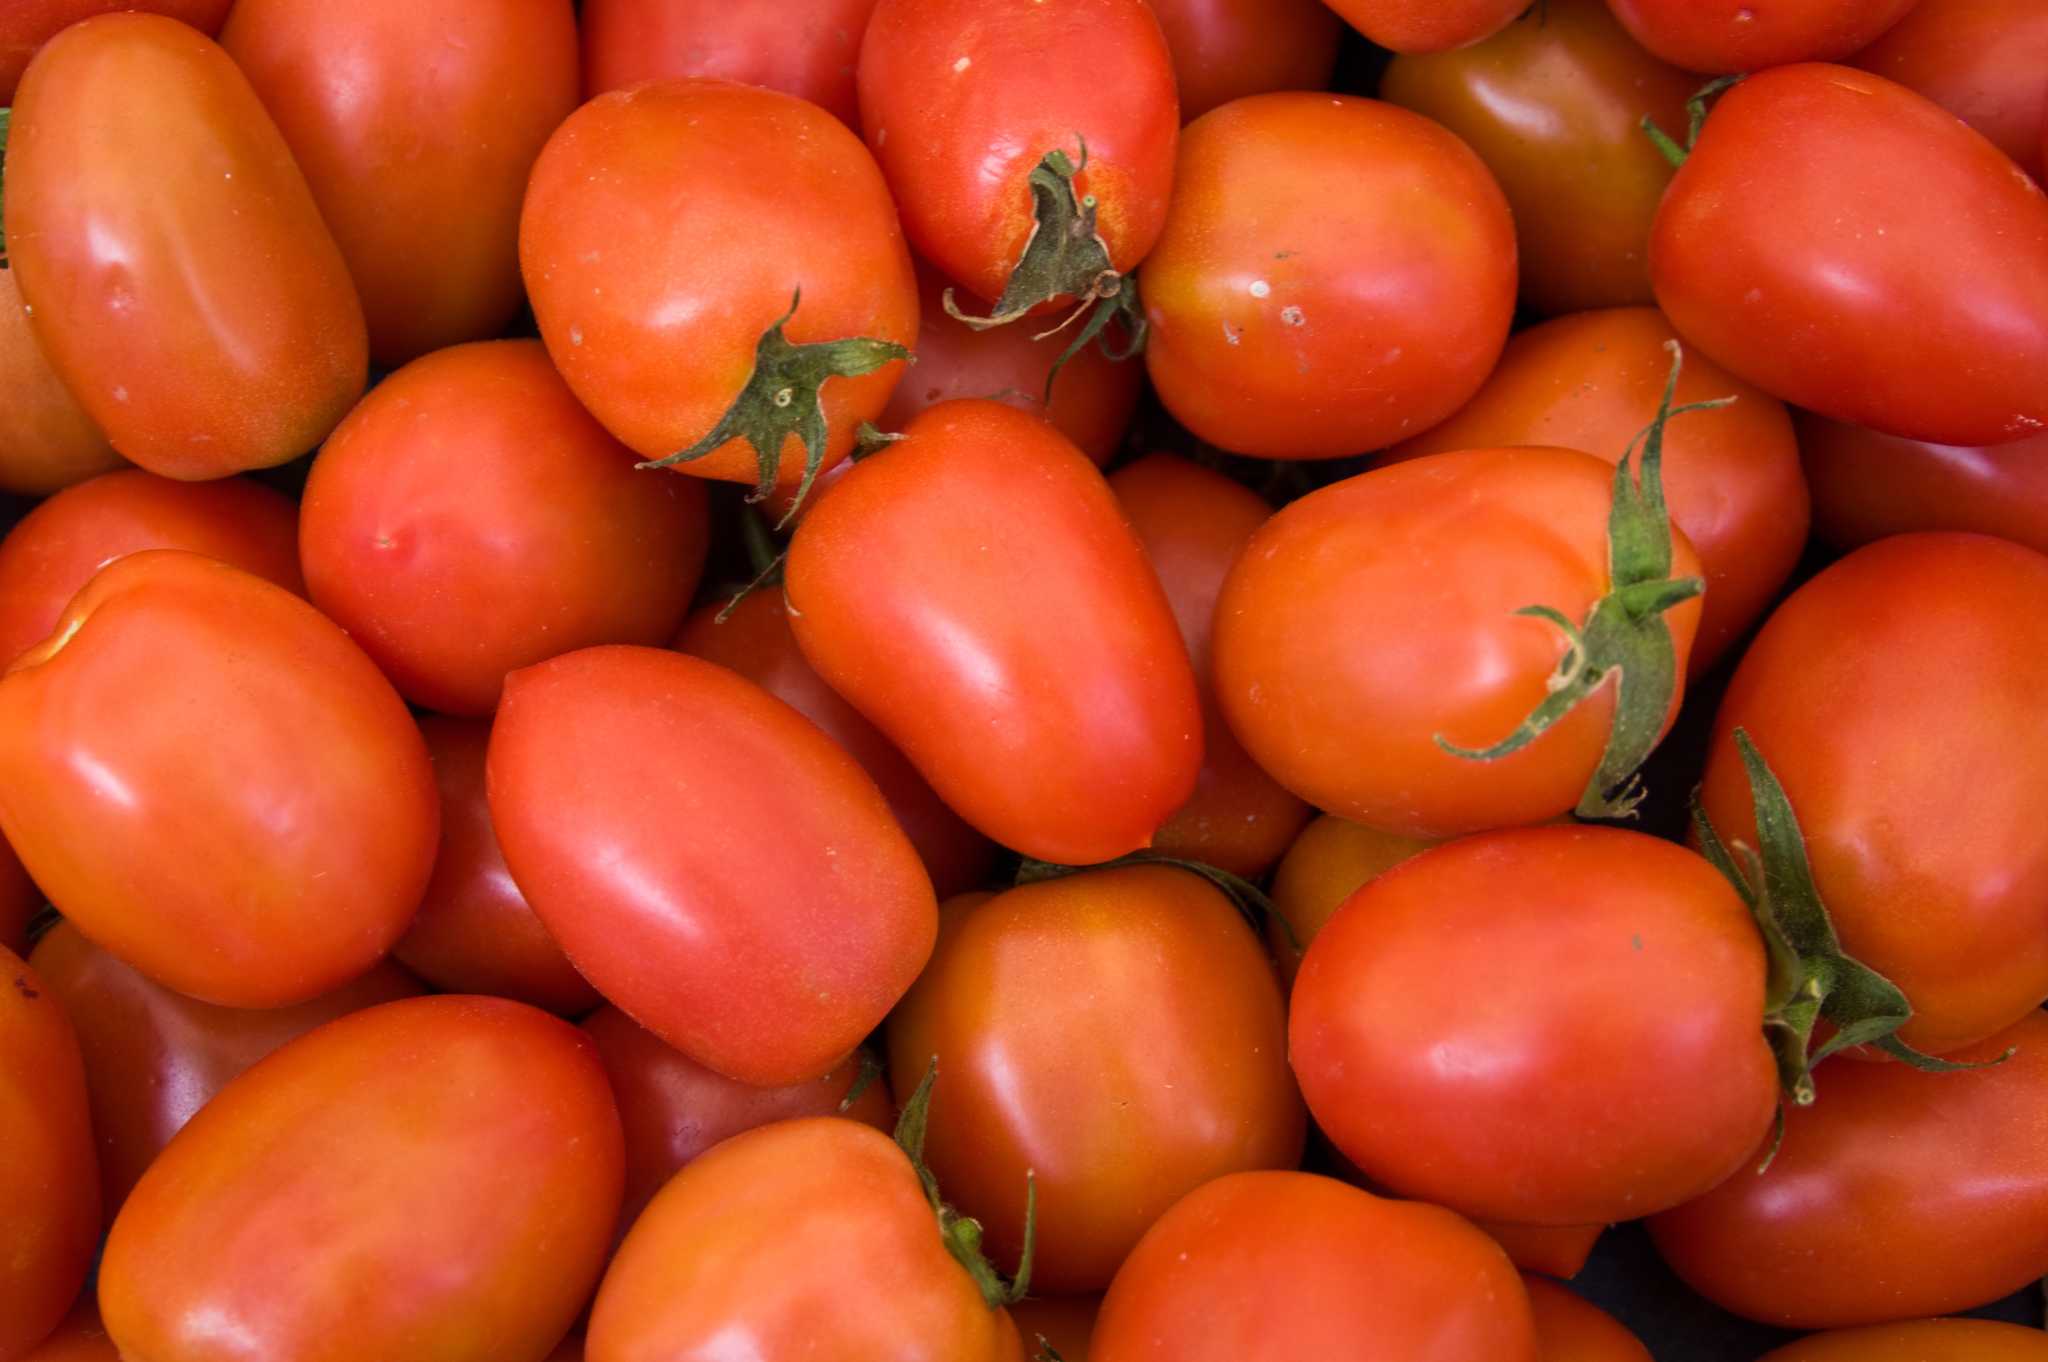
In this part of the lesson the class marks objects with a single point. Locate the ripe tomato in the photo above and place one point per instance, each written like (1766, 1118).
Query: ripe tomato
(19, 900)
(807, 48)
(1867, 486)
(1325, 866)
(1570, 1328)
(974, 590)
(1427, 25)
(1335, 273)
(1065, 1324)
(418, 162)
(1227, 49)
(46, 439)
(26, 25)
(1725, 36)
(1979, 59)
(206, 323)
(1555, 1251)
(215, 784)
(470, 518)
(80, 1338)
(803, 1239)
(1808, 245)
(1922, 1340)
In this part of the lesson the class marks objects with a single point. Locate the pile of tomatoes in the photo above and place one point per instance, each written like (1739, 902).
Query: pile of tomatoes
(1080, 680)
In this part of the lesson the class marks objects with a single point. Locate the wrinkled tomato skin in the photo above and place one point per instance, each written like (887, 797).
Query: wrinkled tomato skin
(974, 591)
(1335, 273)
(807, 48)
(27, 24)
(47, 441)
(80, 1338)
(1570, 1328)
(1717, 37)
(468, 1146)
(416, 126)
(1427, 25)
(807, 1239)
(1979, 59)
(1813, 231)
(1324, 866)
(1921, 1340)
(1117, 1032)
(1868, 486)
(1554, 1251)
(1924, 1193)
(208, 326)
(448, 526)
(154, 760)
(1065, 1323)
(19, 900)
(1227, 49)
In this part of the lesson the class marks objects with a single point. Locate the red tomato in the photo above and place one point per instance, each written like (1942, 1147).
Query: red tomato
(1066, 1324)
(1810, 245)
(470, 518)
(1982, 60)
(1923, 1193)
(1923, 1340)
(1570, 1328)
(1427, 25)
(80, 1338)
(711, 861)
(1335, 273)
(19, 900)
(204, 319)
(416, 126)
(215, 784)
(437, 1177)
(1725, 36)
(1325, 866)
(26, 25)
(1227, 49)
(806, 48)
(1278, 1267)
(974, 590)
(1551, 1250)
(46, 439)
(1867, 486)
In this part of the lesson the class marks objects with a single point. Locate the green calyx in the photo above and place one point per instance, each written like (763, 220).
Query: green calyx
(1696, 118)
(863, 1079)
(1248, 898)
(962, 1234)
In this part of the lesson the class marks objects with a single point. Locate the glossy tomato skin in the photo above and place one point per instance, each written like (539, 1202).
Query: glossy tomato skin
(1980, 60)
(1920, 1340)
(1227, 49)
(1808, 240)
(1324, 866)
(157, 758)
(1335, 273)
(805, 1239)
(80, 1338)
(1427, 25)
(1925, 1193)
(1726, 36)
(418, 164)
(1867, 486)
(807, 48)
(667, 227)
(208, 326)
(27, 25)
(470, 518)
(1570, 1328)
(47, 441)
(1066, 1324)
(975, 591)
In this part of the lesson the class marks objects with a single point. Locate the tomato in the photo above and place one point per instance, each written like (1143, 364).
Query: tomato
(215, 784)
(436, 1177)
(1732, 476)
(204, 319)
(475, 932)
(1554, 1251)
(1808, 245)
(803, 1239)
(711, 861)
(1227, 49)
(1600, 1056)
(1553, 104)
(974, 590)
(1335, 273)
(1717, 36)
(153, 1058)
(1428, 25)
(55, 549)
(806, 48)
(1120, 1034)
(1979, 59)
(1570, 1328)
(27, 24)
(449, 525)
(1922, 1340)
(1064, 1324)
(46, 439)
(1276, 1267)
(1867, 486)
(418, 161)
(80, 1338)
(1923, 1193)
(1324, 866)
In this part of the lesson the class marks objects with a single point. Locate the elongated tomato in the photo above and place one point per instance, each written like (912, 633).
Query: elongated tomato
(1427, 25)
(46, 439)
(1979, 59)
(1867, 486)
(1723, 36)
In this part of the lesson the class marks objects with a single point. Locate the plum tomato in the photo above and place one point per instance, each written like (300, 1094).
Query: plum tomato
(1920, 1340)
(1227, 49)
(1868, 486)
(46, 440)
(807, 48)
(80, 1338)
(26, 25)
(1553, 1250)
(1427, 25)
(1570, 1328)
(1981, 60)
(1324, 866)
(1717, 37)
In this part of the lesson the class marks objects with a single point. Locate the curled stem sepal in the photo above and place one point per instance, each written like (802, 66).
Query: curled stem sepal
(1695, 116)
(962, 1234)
(1250, 901)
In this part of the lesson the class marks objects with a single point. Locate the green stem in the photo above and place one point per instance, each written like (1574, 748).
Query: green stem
(1249, 900)
(962, 1234)
(1695, 117)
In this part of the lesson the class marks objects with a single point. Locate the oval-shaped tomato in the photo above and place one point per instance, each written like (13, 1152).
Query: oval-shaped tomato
(80, 1338)
(1979, 59)
(215, 784)
(470, 518)
(204, 319)
(1064, 1324)
(1922, 1340)
(1227, 49)
(19, 900)
(807, 48)
(1808, 245)
(807, 1239)
(1336, 273)
(1553, 1250)
(1427, 25)
(1570, 1328)
(1867, 486)
(46, 439)
(974, 590)
(418, 163)
(1324, 866)
(27, 24)
(1726, 36)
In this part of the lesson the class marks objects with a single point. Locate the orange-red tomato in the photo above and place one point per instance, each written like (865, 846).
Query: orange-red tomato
(204, 319)
(1555, 1251)
(19, 900)
(215, 784)
(25, 25)
(1326, 865)
(1427, 25)
(1066, 1324)
(1867, 486)
(1717, 36)
(807, 48)
(46, 439)
(1922, 1340)
(1227, 49)
(1982, 60)
(1570, 1328)
(80, 1338)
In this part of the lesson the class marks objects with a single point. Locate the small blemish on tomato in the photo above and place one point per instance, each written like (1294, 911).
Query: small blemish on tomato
(24, 987)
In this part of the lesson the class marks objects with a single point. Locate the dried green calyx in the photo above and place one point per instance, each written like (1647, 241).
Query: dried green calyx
(1696, 118)
(962, 1234)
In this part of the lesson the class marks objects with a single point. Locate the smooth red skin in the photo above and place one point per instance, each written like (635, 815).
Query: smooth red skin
(55, 549)
(1387, 260)
(80, 1338)
(416, 126)
(26, 25)
(1982, 60)
(1194, 523)
(958, 123)
(974, 591)
(475, 932)
(1324, 866)
(1731, 476)
(1373, 615)
(807, 1239)
(208, 325)
(1718, 37)
(1920, 797)
(1276, 1267)
(1924, 1193)
(1600, 1056)
(1065, 1323)
(1227, 49)
(1550, 1250)
(215, 784)
(1836, 240)
(807, 48)
(1923, 1340)
(1427, 25)
(756, 641)
(470, 518)
(1120, 1034)
(713, 862)
(1867, 486)
(19, 900)
(47, 441)
(667, 227)
(1570, 1328)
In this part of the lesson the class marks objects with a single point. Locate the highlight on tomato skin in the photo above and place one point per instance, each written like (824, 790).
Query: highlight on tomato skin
(1721, 37)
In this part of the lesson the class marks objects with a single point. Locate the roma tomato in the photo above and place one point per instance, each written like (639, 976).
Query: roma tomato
(26, 25)
(1982, 60)
(46, 439)
(1726, 36)
(1570, 1328)
(1325, 866)
(711, 861)
(204, 320)
(1335, 273)
(1868, 486)
(19, 900)
(974, 590)
(470, 518)
(1227, 49)
(1922, 1340)
(1065, 1324)
(1427, 25)
(80, 1338)
(1807, 245)
(418, 161)
(1554, 1251)
(807, 48)
(215, 784)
